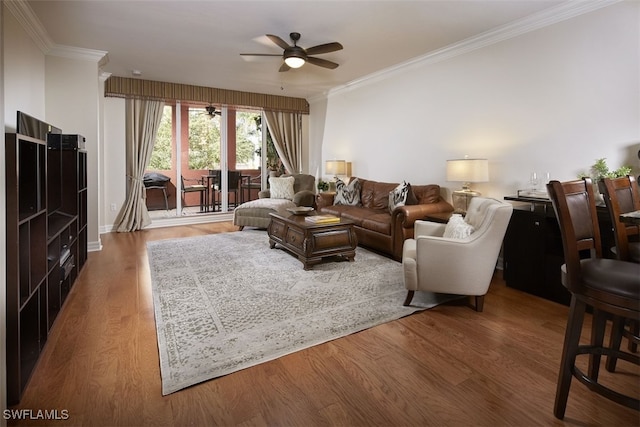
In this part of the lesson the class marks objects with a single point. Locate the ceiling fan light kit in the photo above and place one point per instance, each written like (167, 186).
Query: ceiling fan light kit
(295, 56)
(294, 61)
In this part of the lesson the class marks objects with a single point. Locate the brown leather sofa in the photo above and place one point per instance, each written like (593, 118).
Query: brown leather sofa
(377, 228)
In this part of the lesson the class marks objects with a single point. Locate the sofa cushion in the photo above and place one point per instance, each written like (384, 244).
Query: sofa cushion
(354, 213)
(426, 193)
(401, 195)
(347, 194)
(281, 188)
(375, 195)
(379, 222)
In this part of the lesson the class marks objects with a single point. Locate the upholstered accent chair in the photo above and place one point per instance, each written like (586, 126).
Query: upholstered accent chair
(255, 213)
(304, 190)
(461, 266)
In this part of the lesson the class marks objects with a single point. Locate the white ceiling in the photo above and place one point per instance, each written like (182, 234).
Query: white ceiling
(199, 42)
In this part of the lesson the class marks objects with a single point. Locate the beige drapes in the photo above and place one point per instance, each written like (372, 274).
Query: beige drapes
(286, 131)
(142, 121)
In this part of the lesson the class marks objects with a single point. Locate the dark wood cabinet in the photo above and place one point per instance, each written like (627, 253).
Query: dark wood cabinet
(46, 245)
(533, 252)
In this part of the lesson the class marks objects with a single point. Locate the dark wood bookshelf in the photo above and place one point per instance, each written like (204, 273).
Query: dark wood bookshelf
(46, 245)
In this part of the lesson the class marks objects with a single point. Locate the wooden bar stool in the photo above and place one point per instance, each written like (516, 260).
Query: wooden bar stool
(611, 287)
(621, 195)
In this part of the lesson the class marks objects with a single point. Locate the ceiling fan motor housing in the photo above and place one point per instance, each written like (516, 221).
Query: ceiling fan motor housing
(294, 52)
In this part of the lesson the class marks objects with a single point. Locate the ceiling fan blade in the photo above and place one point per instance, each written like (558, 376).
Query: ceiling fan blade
(277, 40)
(284, 67)
(324, 48)
(260, 54)
(322, 63)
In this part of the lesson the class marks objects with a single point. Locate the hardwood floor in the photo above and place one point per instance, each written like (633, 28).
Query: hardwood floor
(445, 366)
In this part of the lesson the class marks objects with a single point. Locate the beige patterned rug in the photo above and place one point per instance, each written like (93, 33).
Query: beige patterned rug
(225, 302)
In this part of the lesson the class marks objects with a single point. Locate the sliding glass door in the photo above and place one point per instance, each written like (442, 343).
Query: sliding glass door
(211, 157)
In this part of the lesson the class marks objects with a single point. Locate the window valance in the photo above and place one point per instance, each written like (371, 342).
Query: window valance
(124, 87)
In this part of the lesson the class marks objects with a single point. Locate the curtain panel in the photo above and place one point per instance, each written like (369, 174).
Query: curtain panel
(286, 131)
(142, 122)
(124, 87)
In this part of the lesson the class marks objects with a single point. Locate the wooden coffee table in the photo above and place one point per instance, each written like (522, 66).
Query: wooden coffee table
(312, 242)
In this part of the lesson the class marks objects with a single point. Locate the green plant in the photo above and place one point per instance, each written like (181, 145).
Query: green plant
(323, 185)
(273, 159)
(600, 170)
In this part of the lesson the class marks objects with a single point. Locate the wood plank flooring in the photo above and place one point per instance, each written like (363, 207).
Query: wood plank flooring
(449, 366)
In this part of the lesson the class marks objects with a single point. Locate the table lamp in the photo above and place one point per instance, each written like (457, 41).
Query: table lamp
(466, 171)
(335, 168)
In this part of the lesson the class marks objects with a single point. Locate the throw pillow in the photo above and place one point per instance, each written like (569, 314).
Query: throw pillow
(281, 187)
(457, 228)
(402, 195)
(347, 194)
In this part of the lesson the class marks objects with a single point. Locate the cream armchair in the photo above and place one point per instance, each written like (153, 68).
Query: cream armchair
(464, 266)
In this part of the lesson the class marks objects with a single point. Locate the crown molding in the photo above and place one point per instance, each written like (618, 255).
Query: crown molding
(25, 16)
(99, 56)
(23, 13)
(103, 76)
(538, 20)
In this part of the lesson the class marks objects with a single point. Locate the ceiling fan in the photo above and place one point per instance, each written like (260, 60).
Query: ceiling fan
(295, 56)
(211, 111)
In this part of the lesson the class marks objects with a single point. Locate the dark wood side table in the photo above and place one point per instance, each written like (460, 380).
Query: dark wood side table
(312, 242)
(439, 217)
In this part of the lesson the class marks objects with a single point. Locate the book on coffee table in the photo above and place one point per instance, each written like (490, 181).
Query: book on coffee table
(322, 219)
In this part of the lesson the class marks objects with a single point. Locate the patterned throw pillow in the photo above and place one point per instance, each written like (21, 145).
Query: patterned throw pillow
(347, 194)
(402, 195)
(281, 188)
(457, 228)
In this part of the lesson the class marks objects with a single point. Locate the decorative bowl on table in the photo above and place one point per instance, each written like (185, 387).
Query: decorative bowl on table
(300, 210)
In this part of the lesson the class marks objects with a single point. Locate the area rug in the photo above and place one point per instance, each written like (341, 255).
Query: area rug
(225, 302)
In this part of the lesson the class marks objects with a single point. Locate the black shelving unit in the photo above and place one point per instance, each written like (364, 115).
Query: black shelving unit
(46, 195)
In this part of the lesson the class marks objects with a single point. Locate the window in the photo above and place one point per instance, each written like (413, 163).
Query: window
(161, 155)
(248, 140)
(204, 140)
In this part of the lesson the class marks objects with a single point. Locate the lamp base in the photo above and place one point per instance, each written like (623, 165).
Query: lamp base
(461, 199)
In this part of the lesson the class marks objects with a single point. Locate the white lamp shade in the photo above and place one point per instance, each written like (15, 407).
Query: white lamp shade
(336, 167)
(468, 170)
(294, 61)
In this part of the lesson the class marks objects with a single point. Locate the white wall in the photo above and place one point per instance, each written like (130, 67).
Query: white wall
(72, 99)
(550, 100)
(24, 73)
(62, 91)
(114, 182)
